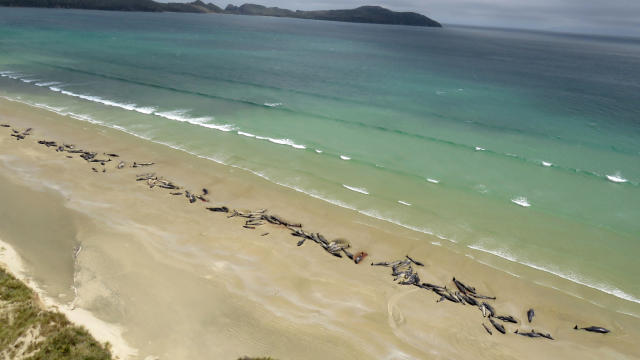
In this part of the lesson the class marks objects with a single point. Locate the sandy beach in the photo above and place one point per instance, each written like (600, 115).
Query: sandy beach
(162, 278)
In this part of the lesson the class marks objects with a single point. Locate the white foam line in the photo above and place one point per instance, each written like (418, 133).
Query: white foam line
(311, 193)
(131, 107)
(546, 164)
(288, 142)
(626, 313)
(522, 201)
(315, 195)
(181, 115)
(148, 110)
(97, 99)
(356, 189)
(494, 267)
(57, 110)
(47, 84)
(478, 148)
(616, 178)
(404, 203)
(12, 75)
(571, 277)
(319, 151)
(433, 181)
(377, 215)
(371, 213)
(246, 134)
(176, 115)
(344, 157)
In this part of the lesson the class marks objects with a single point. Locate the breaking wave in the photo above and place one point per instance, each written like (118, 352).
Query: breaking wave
(521, 200)
(97, 99)
(616, 178)
(356, 189)
(182, 116)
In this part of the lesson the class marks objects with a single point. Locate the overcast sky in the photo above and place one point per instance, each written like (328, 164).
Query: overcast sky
(619, 17)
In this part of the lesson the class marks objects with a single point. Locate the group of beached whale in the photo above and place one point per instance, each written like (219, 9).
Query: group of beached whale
(18, 134)
(89, 156)
(402, 270)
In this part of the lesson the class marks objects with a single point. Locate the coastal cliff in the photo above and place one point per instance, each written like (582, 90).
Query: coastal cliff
(363, 14)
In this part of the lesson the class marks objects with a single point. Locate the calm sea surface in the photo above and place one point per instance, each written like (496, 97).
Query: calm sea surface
(517, 144)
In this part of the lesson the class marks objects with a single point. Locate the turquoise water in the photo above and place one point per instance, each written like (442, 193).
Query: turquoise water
(518, 144)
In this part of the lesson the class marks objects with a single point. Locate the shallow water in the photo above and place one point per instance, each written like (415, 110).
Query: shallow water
(48, 248)
(151, 261)
(515, 144)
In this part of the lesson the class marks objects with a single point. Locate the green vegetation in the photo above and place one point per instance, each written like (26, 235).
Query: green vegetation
(121, 5)
(125, 5)
(29, 332)
(363, 14)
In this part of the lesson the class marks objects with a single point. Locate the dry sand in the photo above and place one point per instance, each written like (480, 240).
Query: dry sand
(159, 277)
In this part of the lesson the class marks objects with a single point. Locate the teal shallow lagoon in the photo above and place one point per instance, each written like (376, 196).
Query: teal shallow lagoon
(451, 132)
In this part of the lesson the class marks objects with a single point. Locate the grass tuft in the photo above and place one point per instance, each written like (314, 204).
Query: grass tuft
(58, 339)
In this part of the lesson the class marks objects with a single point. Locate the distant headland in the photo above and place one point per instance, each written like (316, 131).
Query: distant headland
(363, 14)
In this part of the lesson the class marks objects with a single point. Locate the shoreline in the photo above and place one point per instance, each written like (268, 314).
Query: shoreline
(579, 279)
(102, 331)
(367, 237)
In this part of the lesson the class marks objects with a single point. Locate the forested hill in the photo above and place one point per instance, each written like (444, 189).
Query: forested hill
(363, 14)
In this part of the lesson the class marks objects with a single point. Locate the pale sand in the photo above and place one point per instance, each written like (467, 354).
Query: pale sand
(185, 283)
(102, 331)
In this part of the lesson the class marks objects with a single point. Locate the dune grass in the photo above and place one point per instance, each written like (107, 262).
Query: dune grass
(29, 332)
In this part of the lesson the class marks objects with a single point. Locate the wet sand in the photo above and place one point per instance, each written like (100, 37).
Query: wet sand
(185, 283)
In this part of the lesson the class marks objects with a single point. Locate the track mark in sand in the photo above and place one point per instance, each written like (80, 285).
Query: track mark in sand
(395, 316)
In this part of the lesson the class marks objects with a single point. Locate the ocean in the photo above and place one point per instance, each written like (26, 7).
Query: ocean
(520, 148)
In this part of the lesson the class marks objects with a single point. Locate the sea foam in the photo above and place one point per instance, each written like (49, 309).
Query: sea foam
(287, 142)
(47, 83)
(11, 75)
(521, 200)
(617, 178)
(356, 189)
(246, 134)
(98, 99)
(182, 116)
(175, 115)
